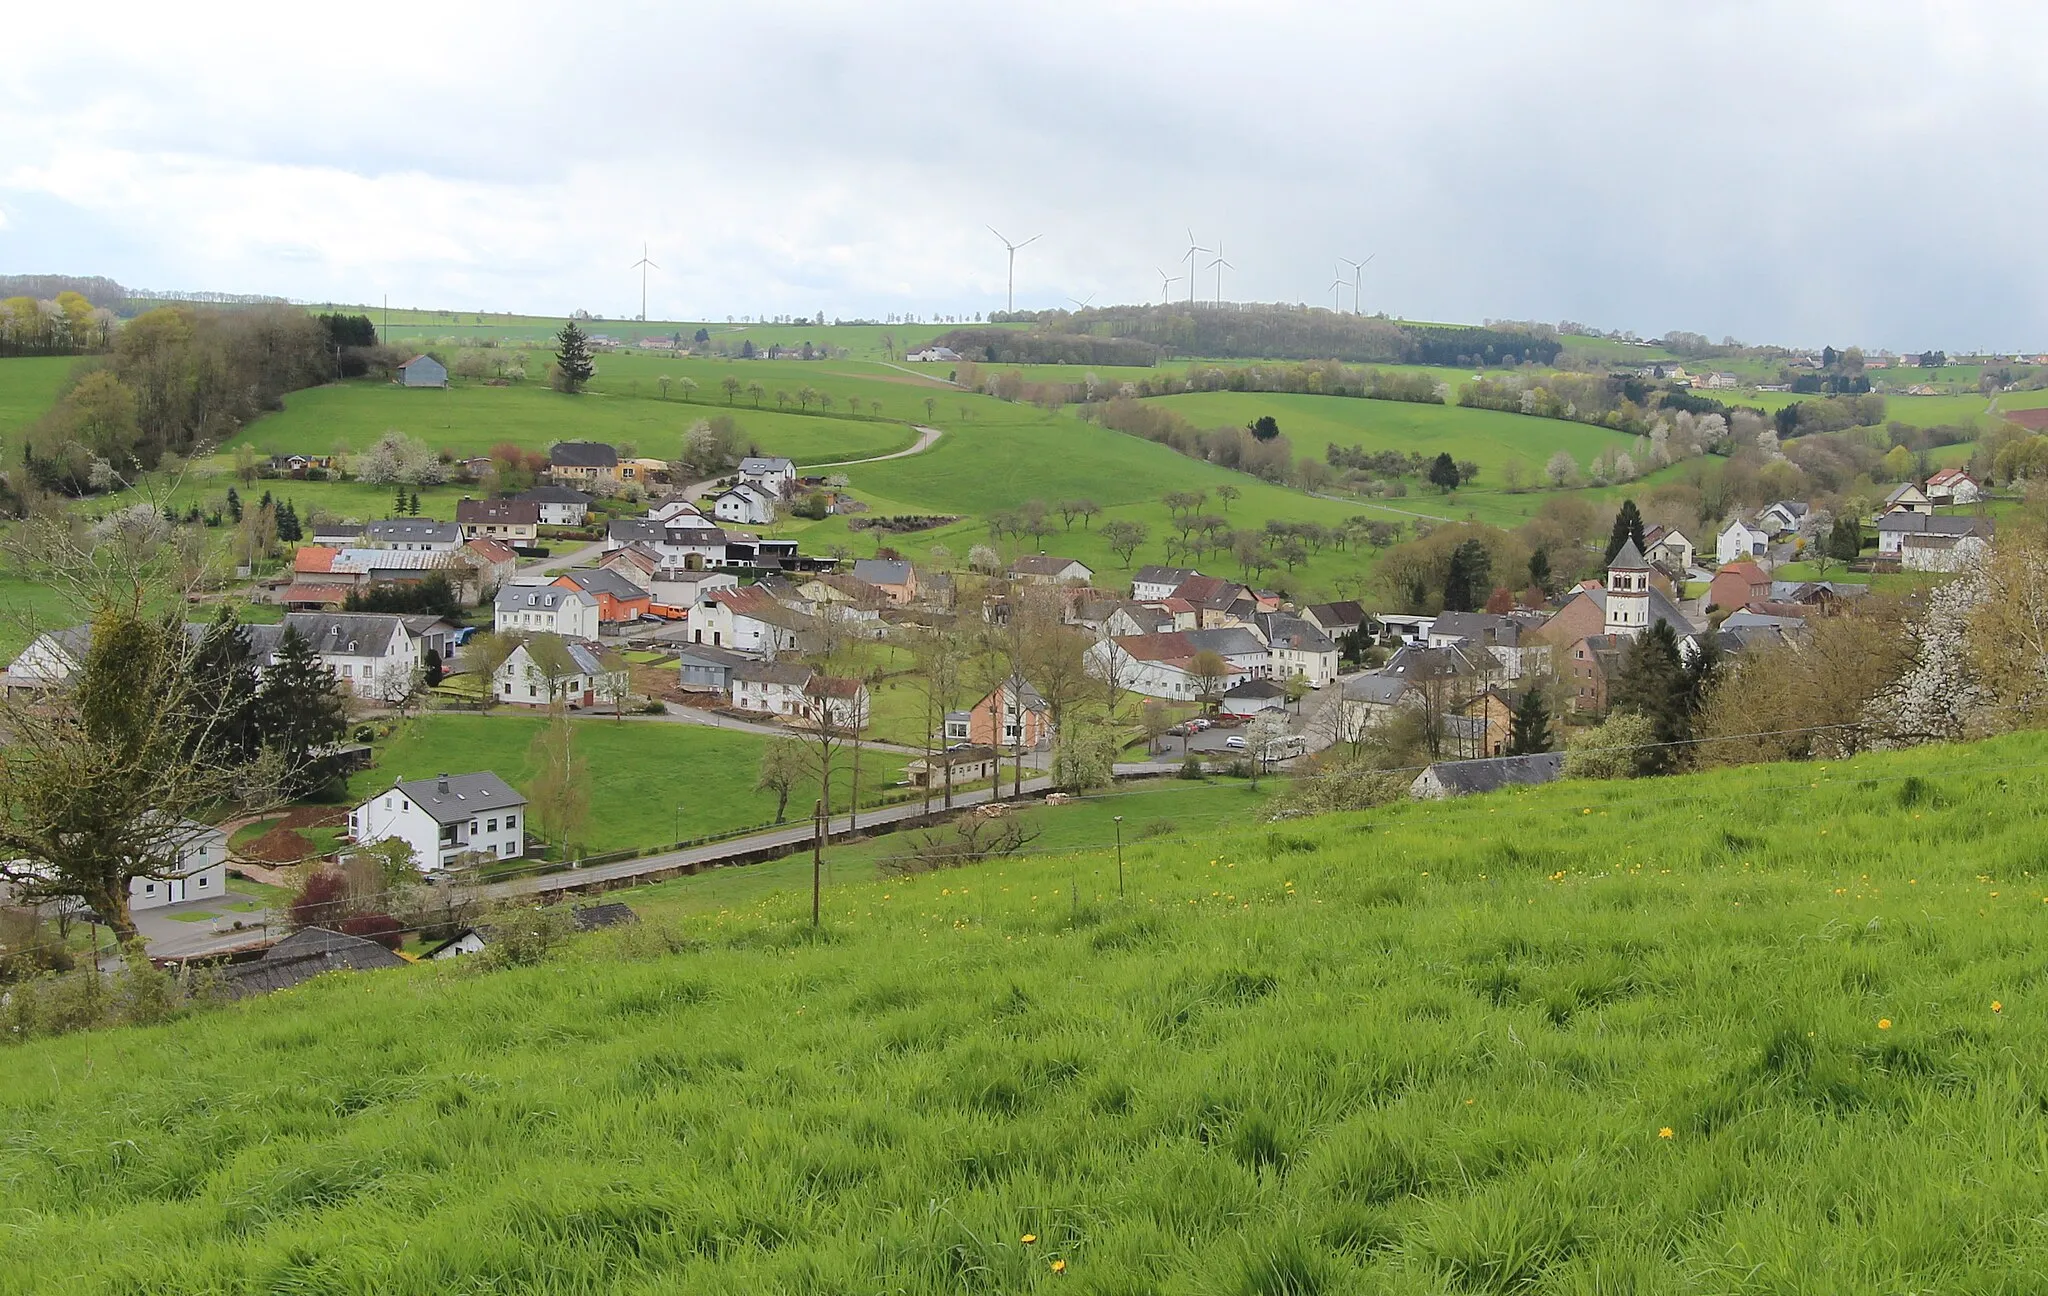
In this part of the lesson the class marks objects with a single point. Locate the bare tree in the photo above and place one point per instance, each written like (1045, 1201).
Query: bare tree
(560, 791)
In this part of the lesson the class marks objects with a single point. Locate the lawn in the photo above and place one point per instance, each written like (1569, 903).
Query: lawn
(469, 420)
(28, 386)
(1489, 438)
(1770, 1030)
(652, 783)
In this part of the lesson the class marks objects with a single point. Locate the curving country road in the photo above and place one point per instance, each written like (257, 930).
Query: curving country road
(926, 436)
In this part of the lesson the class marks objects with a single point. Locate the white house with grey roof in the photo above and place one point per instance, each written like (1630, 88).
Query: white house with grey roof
(444, 818)
(546, 609)
(546, 668)
(747, 504)
(559, 505)
(772, 474)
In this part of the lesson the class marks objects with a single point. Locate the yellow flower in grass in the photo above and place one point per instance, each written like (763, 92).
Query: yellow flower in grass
(1667, 1133)
(1997, 1007)
(1059, 1266)
(1884, 1023)
(1029, 1238)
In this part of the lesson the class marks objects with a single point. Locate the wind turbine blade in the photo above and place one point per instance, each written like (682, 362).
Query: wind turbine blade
(1033, 239)
(999, 235)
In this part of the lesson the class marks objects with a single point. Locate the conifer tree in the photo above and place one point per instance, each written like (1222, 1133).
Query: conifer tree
(572, 358)
(1653, 685)
(301, 710)
(224, 676)
(1628, 525)
(1529, 729)
(1443, 473)
(289, 529)
(234, 506)
(1470, 578)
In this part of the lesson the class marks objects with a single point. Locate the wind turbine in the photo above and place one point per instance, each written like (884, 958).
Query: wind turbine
(1012, 299)
(1189, 257)
(1337, 294)
(1357, 277)
(1219, 265)
(1165, 281)
(1081, 304)
(643, 265)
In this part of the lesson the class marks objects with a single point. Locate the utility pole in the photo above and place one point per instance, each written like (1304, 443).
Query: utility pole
(817, 857)
(1119, 822)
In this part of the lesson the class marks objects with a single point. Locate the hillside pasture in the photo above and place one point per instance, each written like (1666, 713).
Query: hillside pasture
(1771, 1030)
(28, 387)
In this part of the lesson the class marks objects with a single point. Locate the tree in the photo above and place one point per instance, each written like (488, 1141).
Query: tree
(1628, 529)
(1561, 468)
(1123, 538)
(484, 654)
(689, 386)
(435, 670)
(1227, 493)
(224, 670)
(1210, 672)
(1469, 579)
(1653, 685)
(573, 366)
(1443, 473)
(783, 768)
(560, 792)
(1845, 538)
(756, 390)
(730, 385)
(1083, 757)
(302, 711)
(1529, 728)
(1468, 471)
(97, 782)
(289, 529)
(1264, 428)
(1609, 751)
(1539, 570)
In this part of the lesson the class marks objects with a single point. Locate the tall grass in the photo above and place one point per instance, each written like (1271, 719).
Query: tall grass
(1433, 1048)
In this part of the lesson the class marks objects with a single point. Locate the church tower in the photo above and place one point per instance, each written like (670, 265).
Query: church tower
(1628, 592)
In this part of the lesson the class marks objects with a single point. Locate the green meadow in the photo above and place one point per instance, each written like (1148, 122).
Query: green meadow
(28, 386)
(1778, 1029)
(1489, 438)
(469, 420)
(652, 782)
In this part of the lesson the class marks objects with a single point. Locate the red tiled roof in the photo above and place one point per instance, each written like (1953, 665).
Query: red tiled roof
(747, 600)
(301, 592)
(492, 551)
(313, 558)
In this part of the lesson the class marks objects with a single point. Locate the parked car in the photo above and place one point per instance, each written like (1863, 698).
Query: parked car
(1235, 742)
(1198, 724)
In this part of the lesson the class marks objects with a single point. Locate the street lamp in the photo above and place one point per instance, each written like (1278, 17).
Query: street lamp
(1118, 820)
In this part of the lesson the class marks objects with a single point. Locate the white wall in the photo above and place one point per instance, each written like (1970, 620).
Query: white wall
(392, 814)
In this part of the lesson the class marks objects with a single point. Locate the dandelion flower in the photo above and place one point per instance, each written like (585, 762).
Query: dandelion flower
(1997, 1007)
(1059, 1266)
(1029, 1238)
(1884, 1023)
(1666, 1133)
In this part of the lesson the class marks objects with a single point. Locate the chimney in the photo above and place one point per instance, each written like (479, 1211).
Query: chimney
(441, 785)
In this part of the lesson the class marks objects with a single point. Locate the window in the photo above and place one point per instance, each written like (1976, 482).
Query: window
(511, 822)
(149, 888)
(491, 825)
(202, 880)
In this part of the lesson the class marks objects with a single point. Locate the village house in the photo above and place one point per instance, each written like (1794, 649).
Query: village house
(1739, 539)
(836, 702)
(644, 473)
(1248, 697)
(774, 475)
(421, 535)
(582, 918)
(1668, 547)
(373, 654)
(494, 562)
(423, 371)
(970, 764)
(201, 872)
(1784, 516)
(1339, 619)
(1738, 585)
(546, 609)
(1940, 553)
(1907, 498)
(748, 619)
(1893, 529)
(1151, 583)
(445, 818)
(1296, 648)
(894, 577)
(746, 504)
(1509, 640)
(705, 669)
(933, 354)
(1468, 777)
(546, 668)
(1953, 486)
(1217, 603)
(1044, 569)
(301, 956)
(1013, 713)
(515, 522)
(619, 600)
(559, 505)
(591, 463)
(777, 687)
(1163, 665)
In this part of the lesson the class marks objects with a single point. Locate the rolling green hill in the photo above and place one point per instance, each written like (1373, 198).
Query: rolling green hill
(28, 386)
(1777, 1029)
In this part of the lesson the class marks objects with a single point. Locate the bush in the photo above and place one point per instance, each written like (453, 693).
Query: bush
(521, 937)
(1191, 767)
(1608, 751)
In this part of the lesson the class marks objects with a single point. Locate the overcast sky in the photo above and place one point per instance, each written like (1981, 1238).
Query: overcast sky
(1851, 173)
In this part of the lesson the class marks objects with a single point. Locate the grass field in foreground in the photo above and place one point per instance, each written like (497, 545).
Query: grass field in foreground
(1773, 1030)
(641, 771)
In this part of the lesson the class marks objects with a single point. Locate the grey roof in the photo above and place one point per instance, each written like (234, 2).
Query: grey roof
(1805, 591)
(1255, 688)
(1346, 613)
(1293, 633)
(636, 531)
(1154, 574)
(1661, 609)
(1229, 641)
(881, 571)
(711, 655)
(1429, 663)
(544, 598)
(552, 494)
(1376, 688)
(600, 580)
(592, 917)
(348, 634)
(467, 795)
(1462, 778)
(414, 531)
(587, 658)
(789, 673)
(1931, 524)
(1792, 508)
(1748, 620)
(1475, 626)
(323, 531)
(509, 512)
(1629, 557)
(302, 956)
(766, 463)
(583, 454)
(1046, 564)
(1749, 638)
